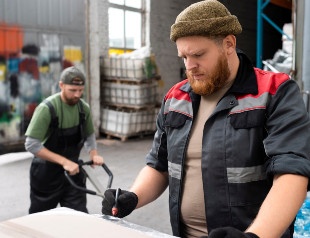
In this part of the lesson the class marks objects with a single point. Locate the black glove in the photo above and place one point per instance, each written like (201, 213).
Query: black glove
(230, 232)
(127, 202)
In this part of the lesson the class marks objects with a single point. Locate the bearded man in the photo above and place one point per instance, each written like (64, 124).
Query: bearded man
(232, 141)
(59, 128)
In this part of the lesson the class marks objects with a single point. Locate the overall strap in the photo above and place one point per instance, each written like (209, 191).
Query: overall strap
(82, 119)
(81, 112)
(54, 120)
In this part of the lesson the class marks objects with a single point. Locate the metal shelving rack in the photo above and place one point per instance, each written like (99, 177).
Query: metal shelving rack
(261, 4)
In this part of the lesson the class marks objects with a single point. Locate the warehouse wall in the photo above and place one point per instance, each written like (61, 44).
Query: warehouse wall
(53, 24)
(163, 14)
(37, 39)
(46, 17)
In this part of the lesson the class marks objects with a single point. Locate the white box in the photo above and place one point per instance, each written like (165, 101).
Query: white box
(64, 222)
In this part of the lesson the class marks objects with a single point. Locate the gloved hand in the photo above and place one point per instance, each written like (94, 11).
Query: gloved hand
(127, 202)
(230, 232)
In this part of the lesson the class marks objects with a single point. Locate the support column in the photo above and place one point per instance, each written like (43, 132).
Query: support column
(96, 45)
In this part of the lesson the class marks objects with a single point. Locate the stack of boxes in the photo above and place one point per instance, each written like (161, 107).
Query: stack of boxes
(129, 96)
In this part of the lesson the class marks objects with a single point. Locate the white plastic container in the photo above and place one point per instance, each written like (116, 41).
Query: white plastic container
(129, 94)
(123, 68)
(124, 122)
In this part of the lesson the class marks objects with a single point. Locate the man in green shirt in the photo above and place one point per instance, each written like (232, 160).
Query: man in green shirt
(60, 126)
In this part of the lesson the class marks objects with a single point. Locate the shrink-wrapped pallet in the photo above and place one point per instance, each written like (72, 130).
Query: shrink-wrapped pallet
(137, 65)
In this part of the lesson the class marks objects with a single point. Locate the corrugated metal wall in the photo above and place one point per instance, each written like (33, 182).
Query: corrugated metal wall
(37, 17)
(38, 38)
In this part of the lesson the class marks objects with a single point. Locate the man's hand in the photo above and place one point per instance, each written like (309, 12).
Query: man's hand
(127, 202)
(71, 167)
(97, 160)
(230, 232)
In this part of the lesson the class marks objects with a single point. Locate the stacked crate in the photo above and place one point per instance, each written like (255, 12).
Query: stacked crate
(129, 96)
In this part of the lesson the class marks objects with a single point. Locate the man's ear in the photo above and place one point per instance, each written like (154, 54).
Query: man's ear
(230, 44)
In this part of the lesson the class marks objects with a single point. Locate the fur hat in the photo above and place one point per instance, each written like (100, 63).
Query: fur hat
(73, 76)
(205, 18)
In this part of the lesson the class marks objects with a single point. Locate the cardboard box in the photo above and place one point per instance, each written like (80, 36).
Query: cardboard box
(65, 222)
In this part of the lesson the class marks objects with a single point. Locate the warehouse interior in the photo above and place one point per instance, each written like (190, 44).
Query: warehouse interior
(123, 46)
(108, 39)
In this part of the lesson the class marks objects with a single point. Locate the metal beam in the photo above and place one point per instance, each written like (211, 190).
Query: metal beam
(259, 37)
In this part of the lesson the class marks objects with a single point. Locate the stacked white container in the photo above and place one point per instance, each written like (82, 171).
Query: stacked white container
(129, 94)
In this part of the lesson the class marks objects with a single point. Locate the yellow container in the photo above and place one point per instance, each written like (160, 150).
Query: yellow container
(73, 53)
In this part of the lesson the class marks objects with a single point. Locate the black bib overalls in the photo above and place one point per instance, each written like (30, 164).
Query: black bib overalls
(48, 183)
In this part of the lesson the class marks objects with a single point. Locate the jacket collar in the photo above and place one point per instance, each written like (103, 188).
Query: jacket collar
(245, 82)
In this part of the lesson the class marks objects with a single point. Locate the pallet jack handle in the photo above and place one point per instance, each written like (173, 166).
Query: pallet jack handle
(82, 163)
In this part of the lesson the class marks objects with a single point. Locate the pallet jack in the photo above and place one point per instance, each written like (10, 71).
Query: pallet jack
(92, 178)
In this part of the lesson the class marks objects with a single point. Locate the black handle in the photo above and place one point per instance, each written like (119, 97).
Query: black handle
(104, 166)
(108, 171)
(82, 163)
(79, 187)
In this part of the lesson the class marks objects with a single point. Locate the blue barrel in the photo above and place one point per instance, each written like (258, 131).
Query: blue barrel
(302, 223)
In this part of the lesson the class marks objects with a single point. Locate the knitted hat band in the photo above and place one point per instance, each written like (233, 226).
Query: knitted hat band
(205, 18)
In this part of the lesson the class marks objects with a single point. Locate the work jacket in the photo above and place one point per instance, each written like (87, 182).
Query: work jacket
(258, 129)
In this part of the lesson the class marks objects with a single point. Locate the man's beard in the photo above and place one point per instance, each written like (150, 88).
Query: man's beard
(71, 101)
(213, 81)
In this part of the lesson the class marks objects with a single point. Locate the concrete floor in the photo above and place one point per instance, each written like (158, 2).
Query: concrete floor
(124, 159)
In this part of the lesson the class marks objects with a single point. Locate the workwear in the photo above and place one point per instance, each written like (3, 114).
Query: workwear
(63, 129)
(257, 130)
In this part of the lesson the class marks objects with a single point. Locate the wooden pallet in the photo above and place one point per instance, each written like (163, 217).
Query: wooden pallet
(123, 138)
(129, 80)
(123, 106)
